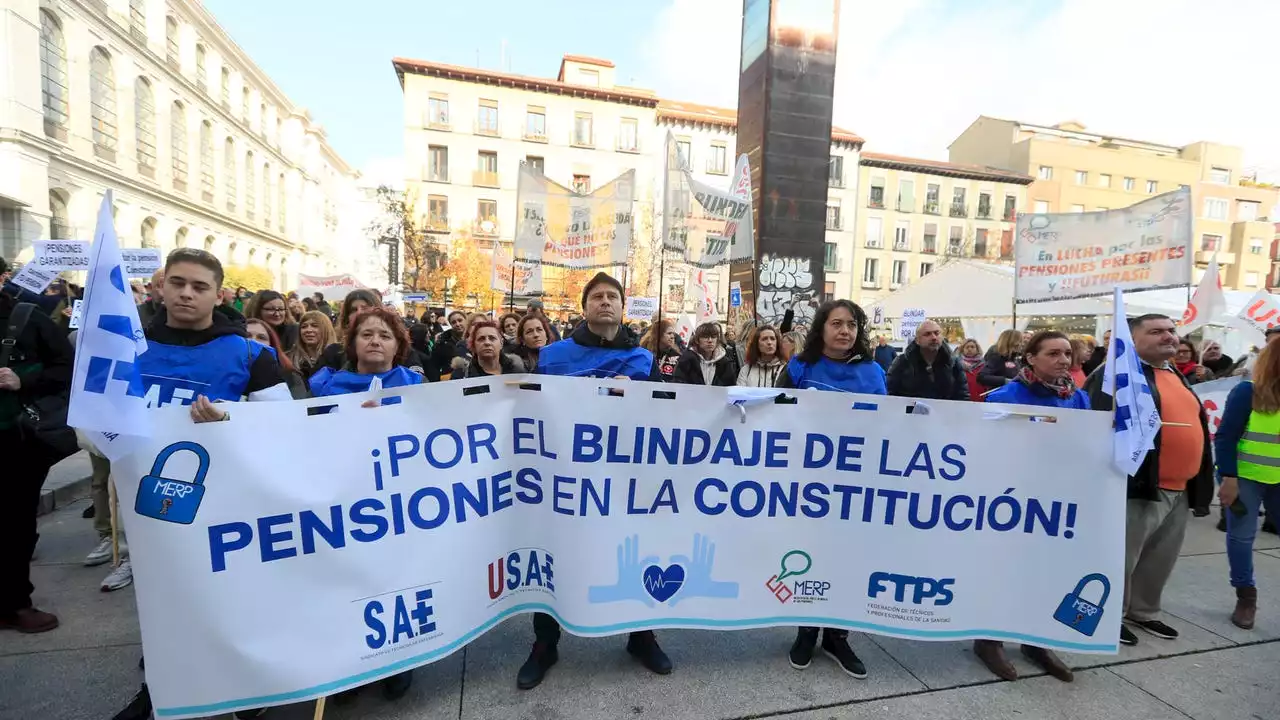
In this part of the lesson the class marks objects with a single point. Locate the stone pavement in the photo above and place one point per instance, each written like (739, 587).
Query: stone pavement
(88, 668)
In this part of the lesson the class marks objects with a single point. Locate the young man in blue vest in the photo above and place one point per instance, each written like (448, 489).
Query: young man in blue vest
(600, 347)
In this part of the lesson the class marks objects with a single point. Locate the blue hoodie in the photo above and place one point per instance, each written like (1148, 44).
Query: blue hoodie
(1016, 392)
(585, 354)
(857, 375)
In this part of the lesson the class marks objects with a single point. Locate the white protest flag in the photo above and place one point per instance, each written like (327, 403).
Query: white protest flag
(515, 276)
(562, 228)
(1261, 313)
(704, 306)
(1208, 302)
(706, 225)
(107, 398)
(1136, 418)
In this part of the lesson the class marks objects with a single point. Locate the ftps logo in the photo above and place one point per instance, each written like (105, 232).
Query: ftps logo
(522, 570)
(911, 589)
(795, 564)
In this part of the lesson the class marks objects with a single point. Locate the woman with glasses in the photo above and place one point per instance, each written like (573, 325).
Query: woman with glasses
(272, 308)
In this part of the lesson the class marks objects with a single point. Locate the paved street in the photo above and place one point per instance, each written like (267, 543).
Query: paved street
(87, 669)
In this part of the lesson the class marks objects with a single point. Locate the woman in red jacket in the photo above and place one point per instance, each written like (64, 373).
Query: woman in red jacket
(971, 362)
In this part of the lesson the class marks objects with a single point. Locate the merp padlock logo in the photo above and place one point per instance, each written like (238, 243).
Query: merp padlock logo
(173, 499)
(1083, 615)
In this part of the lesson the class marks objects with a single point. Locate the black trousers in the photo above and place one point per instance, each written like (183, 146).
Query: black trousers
(547, 631)
(24, 465)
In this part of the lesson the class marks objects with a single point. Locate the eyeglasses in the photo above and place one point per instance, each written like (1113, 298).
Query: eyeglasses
(274, 310)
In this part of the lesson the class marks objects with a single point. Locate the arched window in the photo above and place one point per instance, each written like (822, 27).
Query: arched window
(206, 161)
(180, 238)
(149, 233)
(281, 196)
(244, 106)
(202, 71)
(266, 195)
(172, 48)
(144, 124)
(262, 121)
(229, 173)
(208, 243)
(178, 145)
(53, 76)
(59, 228)
(102, 101)
(250, 177)
(138, 20)
(226, 88)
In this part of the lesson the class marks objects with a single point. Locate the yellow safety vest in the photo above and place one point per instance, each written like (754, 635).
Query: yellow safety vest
(1259, 449)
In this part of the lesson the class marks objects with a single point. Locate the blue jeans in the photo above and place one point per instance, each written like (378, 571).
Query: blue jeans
(1242, 529)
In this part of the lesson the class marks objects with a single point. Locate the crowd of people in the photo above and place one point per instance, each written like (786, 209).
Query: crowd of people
(273, 346)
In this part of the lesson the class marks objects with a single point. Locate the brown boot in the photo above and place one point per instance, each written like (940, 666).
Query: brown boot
(991, 653)
(1050, 661)
(1246, 607)
(29, 620)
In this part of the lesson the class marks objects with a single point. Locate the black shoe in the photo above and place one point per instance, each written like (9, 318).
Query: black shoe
(536, 666)
(394, 687)
(1157, 628)
(1200, 512)
(139, 708)
(802, 649)
(1222, 524)
(837, 648)
(88, 513)
(1269, 525)
(1126, 636)
(248, 714)
(644, 647)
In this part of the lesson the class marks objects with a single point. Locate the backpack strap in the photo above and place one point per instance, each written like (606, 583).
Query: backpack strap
(17, 323)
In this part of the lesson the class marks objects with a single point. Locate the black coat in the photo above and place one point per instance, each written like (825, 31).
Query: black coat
(1145, 484)
(908, 376)
(997, 369)
(689, 370)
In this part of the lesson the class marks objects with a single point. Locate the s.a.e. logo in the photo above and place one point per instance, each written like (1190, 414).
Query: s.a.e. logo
(522, 570)
(410, 615)
(912, 589)
(794, 564)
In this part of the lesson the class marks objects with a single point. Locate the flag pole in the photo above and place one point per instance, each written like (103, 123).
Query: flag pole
(666, 225)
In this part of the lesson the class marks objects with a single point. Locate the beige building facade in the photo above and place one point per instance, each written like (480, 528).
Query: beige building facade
(916, 215)
(1076, 170)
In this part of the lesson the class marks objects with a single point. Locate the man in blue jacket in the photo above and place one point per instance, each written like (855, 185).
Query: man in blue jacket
(600, 347)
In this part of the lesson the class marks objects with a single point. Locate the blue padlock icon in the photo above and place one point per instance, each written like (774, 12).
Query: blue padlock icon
(168, 499)
(1079, 614)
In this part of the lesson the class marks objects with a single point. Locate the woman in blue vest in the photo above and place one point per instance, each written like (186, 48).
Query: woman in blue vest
(1044, 380)
(837, 357)
(1247, 447)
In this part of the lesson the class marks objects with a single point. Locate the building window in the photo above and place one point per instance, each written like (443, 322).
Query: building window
(875, 199)
(202, 72)
(172, 50)
(1045, 173)
(1082, 177)
(1041, 207)
(980, 243)
(833, 214)
(144, 125)
(1210, 243)
(984, 206)
(1104, 180)
(828, 290)
(486, 169)
(906, 196)
(1010, 208)
(955, 241)
(871, 272)
(925, 268)
(629, 135)
(930, 239)
(829, 261)
(874, 238)
(1221, 176)
(229, 173)
(487, 216)
(438, 113)
(262, 121)
(438, 163)
(282, 199)
(250, 192)
(717, 163)
(1077, 208)
(684, 151)
(266, 196)
(244, 105)
(835, 172)
(1215, 208)
(178, 145)
(535, 124)
(581, 184)
(226, 89)
(899, 276)
(582, 130)
(1251, 279)
(536, 164)
(932, 192)
(53, 76)
(902, 237)
(59, 225)
(487, 118)
(1246, 211)
(138, 20)
(102, 100)
(206, 161)
(438, 213)
(1255, 246)
(1128, 184)
(1151, 187)
(958, 206)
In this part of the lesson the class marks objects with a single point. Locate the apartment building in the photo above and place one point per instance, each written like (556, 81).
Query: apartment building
(917, 214)
(1076, 170)
(468, 129)
(154, 101)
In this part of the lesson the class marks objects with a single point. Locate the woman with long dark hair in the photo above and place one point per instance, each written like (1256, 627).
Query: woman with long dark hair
(272, 308)
(334, 355)
(486, 341)
(836, 357)
(765, 358)
(532, 334)
(660, 341)
(261, 332)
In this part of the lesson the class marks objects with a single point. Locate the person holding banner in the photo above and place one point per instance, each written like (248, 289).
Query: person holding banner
(1247, 449)
(598, 347)
(836, 357)
(765, 358)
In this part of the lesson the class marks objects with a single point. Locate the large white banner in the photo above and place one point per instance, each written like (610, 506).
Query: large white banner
(1142, 247)
(705, 225)
(405, 532)
(556, 226)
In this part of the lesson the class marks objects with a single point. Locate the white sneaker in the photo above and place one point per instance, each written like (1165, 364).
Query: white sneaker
(100, 554)
(120, 577)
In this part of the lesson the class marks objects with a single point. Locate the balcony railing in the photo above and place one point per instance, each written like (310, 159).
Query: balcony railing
(955, 249)
(1010, 214)
(931, 207)
(876, 202)
(440, 122)
(984, 213)
(835, 182)
(980, 250)
(633, 146)
(930, 247)
(959, 210)
(484, 178)
(583, 141)
(902, 245)
(871, 284)
(835, 224)
(437, 224)
(874, 244)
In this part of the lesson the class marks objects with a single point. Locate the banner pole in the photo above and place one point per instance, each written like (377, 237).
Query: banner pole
(319, 714)
(114, 505)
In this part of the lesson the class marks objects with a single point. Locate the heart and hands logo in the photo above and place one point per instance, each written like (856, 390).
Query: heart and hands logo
(647, 580)
(662, 583)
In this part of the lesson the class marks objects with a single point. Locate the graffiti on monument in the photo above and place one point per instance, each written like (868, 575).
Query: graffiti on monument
(785, 283)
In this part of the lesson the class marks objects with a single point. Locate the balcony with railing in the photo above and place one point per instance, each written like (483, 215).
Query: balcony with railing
(955, 248)
(931, 207)
(835, 182)
(538, 136)
(930, 247)
(631, 145)
(835, 223)
(901, 245)
(959, 210)
(874, 244)
(484, 178)
(876, 200)
(870, 283)
(1010, 215)
(984, 212)
(437, 224)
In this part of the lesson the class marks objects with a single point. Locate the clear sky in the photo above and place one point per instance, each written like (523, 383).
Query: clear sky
(911, 76)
